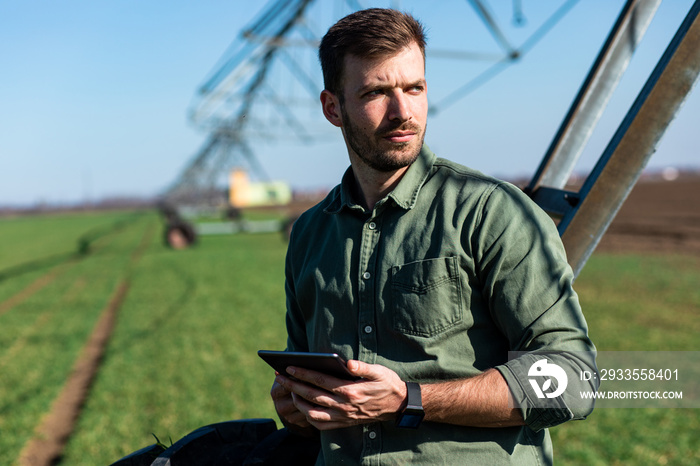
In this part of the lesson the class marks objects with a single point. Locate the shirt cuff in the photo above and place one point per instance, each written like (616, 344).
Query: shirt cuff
(538, 413)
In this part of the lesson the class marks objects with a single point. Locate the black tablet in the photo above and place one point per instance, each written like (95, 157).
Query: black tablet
(327, 363)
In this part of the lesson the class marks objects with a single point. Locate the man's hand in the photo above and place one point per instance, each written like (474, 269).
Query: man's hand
(290, 416)
(329, 403)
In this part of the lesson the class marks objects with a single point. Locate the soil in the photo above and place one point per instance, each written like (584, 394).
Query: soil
(660, 217)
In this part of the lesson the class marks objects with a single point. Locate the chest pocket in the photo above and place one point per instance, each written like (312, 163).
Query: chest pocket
(427, 297)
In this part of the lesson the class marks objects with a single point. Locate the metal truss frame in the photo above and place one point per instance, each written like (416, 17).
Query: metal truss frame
(585, 215)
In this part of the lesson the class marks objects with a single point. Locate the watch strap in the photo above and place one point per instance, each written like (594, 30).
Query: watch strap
(413, 398)
(412, 413)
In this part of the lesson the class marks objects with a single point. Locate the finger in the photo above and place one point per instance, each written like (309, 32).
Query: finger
(312, 412)
(319, 379)
(286, 410)
(286, 384)
(278, 391)
(312, 394)
(366, 371)
(285, 406)
(318, 413)
(297, 418)
(304, 389)
(322, 418)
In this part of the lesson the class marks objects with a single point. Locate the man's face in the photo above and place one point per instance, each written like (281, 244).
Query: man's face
(385, 108)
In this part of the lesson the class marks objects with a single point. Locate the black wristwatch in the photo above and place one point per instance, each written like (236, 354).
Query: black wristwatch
(412, 415)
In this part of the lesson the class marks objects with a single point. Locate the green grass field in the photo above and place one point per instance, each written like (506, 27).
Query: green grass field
(183, 352)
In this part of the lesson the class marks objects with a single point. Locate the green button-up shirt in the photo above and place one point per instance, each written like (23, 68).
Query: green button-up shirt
(445, 276)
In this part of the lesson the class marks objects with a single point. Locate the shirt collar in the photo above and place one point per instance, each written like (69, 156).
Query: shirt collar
(404, 194)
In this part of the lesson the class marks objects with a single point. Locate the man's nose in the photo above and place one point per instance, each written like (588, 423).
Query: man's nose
(399, 107)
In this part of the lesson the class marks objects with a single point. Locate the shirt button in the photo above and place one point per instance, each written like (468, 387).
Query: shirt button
(372, 226)
(366, 275)
(373, 435)
(368, 329)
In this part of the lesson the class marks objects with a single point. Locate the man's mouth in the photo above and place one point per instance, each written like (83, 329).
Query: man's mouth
(400, 135)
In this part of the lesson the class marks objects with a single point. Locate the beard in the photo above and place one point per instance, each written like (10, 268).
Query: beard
(396, 156)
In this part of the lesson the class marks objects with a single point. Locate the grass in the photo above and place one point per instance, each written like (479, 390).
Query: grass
(637, 303)
(43, 333)
(31, 246)
(183, 353)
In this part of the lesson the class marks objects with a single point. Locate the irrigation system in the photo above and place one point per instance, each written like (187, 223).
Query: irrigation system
(265, 88)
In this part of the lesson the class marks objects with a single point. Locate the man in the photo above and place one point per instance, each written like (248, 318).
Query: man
(423, 274)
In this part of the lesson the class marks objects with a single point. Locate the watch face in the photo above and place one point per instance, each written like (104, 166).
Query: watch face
(410, 420)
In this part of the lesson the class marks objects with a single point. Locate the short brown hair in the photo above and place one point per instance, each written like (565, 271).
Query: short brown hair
(366, 33)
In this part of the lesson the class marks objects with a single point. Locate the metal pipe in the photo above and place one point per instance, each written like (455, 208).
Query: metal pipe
(628, 152)
(598, 87)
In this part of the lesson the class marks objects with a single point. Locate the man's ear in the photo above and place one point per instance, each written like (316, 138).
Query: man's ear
(331, 108)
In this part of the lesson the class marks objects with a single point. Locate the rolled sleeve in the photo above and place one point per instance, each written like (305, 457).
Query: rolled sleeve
(541, 413)
(529, 282)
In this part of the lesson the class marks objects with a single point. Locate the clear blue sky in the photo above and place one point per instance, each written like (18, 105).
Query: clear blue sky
(94, 94)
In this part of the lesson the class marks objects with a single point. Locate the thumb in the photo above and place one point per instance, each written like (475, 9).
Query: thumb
(361, 369)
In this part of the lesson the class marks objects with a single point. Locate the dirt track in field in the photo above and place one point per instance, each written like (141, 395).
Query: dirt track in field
(33, 287)
(56, 427)
(658, 217)
(53, 433)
